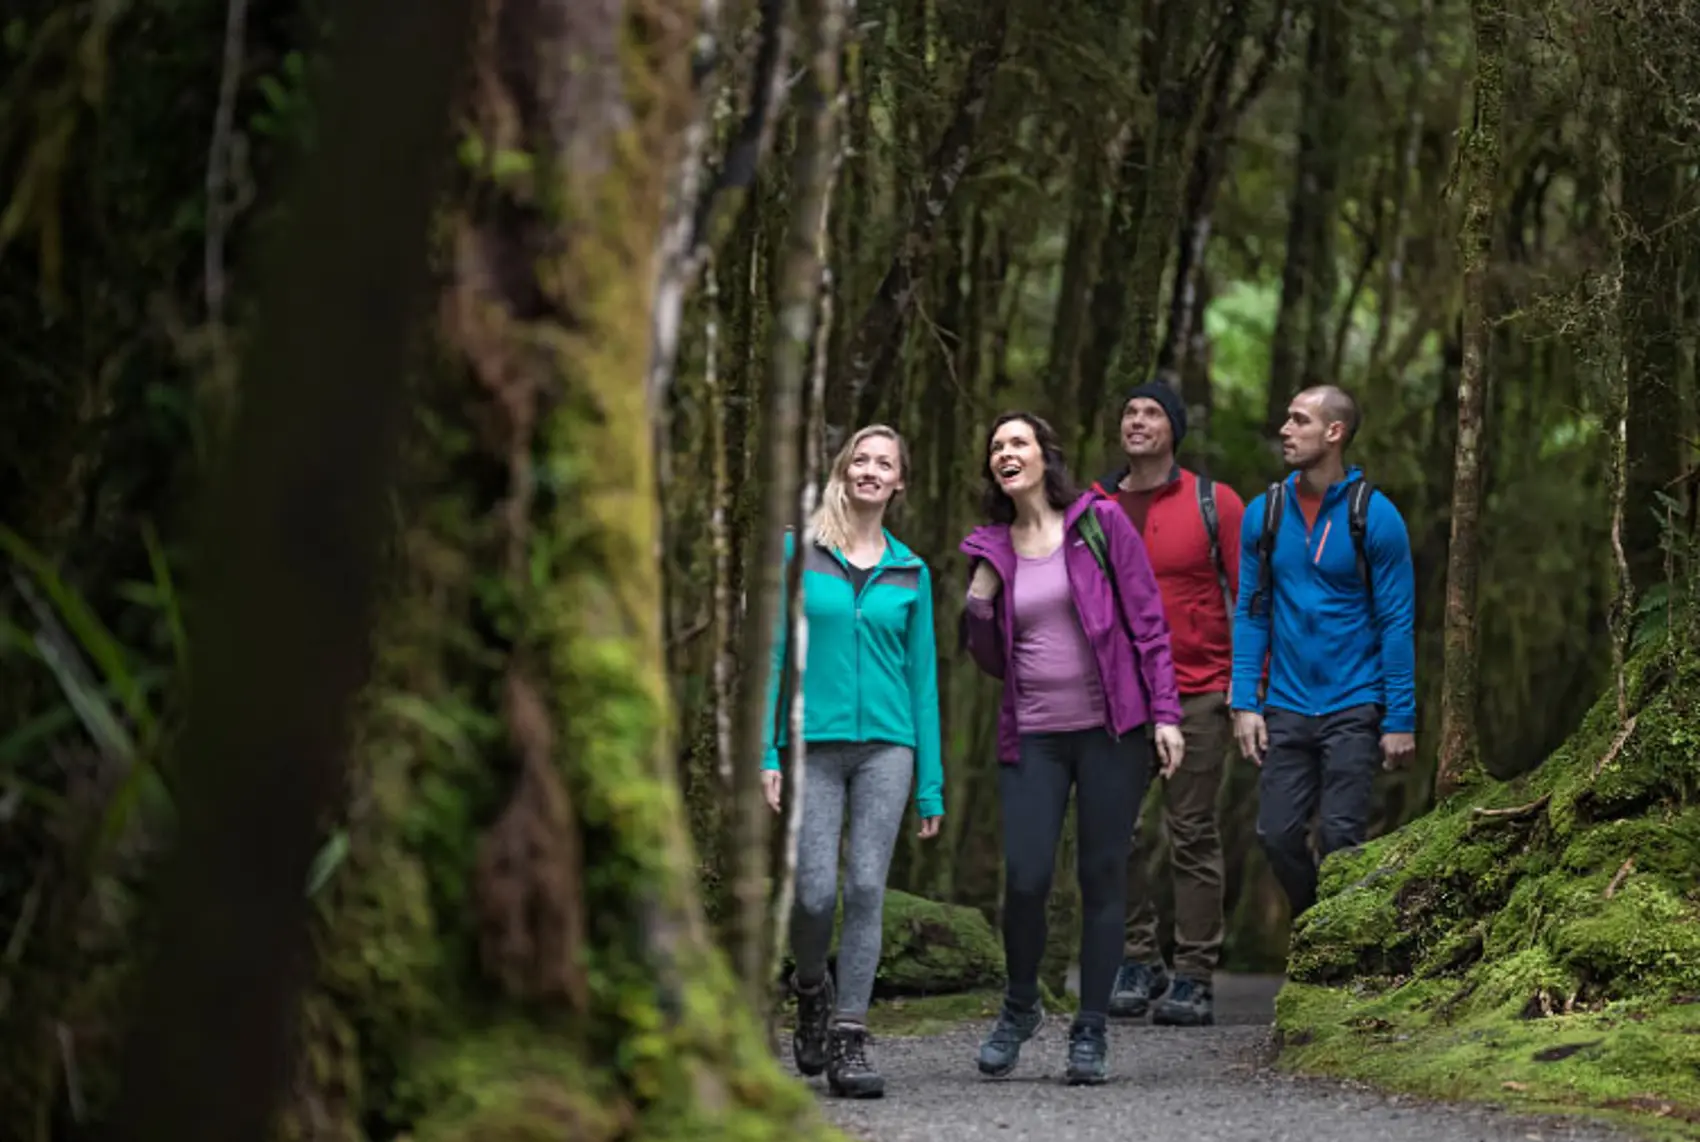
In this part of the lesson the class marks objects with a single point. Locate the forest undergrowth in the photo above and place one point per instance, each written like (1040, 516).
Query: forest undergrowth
(1534, 943)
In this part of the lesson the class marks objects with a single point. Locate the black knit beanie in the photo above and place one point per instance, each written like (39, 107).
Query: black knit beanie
(1170, 400)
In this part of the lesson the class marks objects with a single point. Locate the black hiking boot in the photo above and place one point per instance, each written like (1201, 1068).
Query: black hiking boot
(1088, 1054)
(848, 1072)
(1137, 987)
(814, 1017)
(1187, 1005)
(1002, 1048)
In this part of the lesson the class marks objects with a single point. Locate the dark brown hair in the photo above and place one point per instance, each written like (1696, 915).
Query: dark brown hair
(1060, 491)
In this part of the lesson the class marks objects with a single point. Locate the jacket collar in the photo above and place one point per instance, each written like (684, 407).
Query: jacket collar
(897, 553)
(991, 540)
(1110, 482)
(1354, 473)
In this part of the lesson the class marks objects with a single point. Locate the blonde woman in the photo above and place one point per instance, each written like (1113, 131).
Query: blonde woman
(870, 710)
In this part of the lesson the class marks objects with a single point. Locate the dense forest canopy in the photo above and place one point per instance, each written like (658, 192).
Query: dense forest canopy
(680, 251)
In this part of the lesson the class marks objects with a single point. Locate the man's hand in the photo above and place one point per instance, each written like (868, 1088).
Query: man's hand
(1252, 735)
(1397, 750)
(930, 827)
(985, 583)
(1171, 747)
(772, 781)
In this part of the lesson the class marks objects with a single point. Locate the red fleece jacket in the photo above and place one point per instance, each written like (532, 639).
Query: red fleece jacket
(1200, 619)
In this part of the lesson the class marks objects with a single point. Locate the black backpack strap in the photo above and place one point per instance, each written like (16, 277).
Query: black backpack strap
(1207, 511)
(1357, 515)
(1274, 502)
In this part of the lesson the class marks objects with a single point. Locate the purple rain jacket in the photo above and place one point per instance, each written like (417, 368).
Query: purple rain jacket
(1138, 676)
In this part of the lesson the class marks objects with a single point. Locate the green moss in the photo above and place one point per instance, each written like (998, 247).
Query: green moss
(929, 1015)
(930, 948)
(1623, 1060)
(1553, 912)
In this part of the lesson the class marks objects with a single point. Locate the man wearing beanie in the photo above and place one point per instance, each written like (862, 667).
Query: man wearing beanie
(1191, 529)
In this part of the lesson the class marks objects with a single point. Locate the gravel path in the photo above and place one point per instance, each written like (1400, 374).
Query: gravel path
(1166, 1085)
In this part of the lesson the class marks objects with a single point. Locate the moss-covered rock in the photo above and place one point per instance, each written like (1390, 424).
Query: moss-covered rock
(1526, 941)
(930, 948)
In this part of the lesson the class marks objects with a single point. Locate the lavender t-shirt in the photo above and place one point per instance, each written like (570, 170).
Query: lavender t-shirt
(1058, 687)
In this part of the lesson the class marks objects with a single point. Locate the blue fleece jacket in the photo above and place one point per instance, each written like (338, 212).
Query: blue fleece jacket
(872, 667)
(1327, 646)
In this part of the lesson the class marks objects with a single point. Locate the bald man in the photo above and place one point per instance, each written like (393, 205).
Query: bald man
(1326, 599)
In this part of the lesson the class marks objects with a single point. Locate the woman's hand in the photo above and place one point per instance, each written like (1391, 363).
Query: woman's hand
(1171, 747)
(772, 781)
(930, 827)
(985, 583)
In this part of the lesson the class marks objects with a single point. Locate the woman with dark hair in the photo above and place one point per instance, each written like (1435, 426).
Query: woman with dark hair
(1063, 607)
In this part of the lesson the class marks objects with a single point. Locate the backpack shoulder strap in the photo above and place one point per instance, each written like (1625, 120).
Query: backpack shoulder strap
(1207, 511)
(1092, 531)
(1357, 516)
(1274, 504)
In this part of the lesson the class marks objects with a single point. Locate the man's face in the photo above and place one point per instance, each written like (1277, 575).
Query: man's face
(1308, 435)
(1145, 429)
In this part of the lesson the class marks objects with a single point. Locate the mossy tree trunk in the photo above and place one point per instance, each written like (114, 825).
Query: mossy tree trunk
(1460, 763)
(514, 946)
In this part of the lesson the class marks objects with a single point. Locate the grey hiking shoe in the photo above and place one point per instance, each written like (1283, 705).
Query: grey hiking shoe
(849, 1074)
(814, 1017)
(1088, 1054)
(1187, 1005)
(1002, 1048)
(1137, 987)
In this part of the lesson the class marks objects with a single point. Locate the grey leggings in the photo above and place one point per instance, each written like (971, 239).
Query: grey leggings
(874, 778)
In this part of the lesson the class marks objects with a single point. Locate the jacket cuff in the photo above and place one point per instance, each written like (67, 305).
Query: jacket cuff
(926, 807)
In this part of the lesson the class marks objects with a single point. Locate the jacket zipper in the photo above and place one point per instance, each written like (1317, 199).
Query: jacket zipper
(866, 586)
(856, 627)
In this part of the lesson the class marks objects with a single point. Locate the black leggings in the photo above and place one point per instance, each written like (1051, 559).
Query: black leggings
(1111, 776)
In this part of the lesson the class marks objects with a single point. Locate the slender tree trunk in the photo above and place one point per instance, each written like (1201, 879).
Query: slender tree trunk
(797, 297)
(1110, 291)
(1652, 160)
(1223, 109)
(1460, 763)
(1298, 345)
(1080, 261)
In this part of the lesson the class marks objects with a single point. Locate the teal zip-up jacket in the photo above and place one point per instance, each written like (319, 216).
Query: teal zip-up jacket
(872, 669)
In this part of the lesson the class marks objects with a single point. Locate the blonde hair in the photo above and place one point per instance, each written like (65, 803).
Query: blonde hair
(830, 525)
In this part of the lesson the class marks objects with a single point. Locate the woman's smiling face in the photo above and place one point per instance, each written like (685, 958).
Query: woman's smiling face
(1017, 463)
(875, 471)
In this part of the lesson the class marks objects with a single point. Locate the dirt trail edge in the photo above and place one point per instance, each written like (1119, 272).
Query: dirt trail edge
(1166, 1085)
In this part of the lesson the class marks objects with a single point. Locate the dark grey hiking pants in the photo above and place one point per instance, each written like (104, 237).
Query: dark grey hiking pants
(1315, 765)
